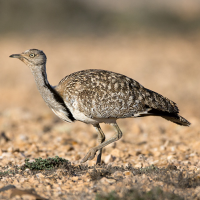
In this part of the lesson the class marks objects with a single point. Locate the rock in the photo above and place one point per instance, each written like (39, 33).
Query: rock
(183, 148)
(156, 153)
(138, 165)
(128, 181)
(118, 174)
(197, 192)
(77, 157)
(110, 180)
(75, 178)
(127, 173)
(109, 158)
(10, 150)
(116, 153)
(39, 175)
(106, 181)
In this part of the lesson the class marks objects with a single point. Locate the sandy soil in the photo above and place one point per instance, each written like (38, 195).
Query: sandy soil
(29, 129)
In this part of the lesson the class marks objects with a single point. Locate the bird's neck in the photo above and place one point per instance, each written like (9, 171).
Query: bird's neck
(40, 76)
(49, 94)
(46, 90)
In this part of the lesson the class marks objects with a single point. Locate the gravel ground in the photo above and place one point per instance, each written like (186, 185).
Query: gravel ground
(154, 157)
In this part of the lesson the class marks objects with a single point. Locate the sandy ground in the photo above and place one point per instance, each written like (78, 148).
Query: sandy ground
(29, 129)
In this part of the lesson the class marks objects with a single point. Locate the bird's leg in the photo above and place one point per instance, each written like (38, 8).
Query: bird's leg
(91, 154)
(100, 139)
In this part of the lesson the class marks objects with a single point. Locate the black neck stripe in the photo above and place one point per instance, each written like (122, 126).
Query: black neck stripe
(59, 99)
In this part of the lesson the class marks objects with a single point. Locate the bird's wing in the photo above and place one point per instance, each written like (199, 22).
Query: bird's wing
(102, 94)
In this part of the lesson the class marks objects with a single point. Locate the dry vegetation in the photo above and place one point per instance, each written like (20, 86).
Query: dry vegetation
(155, 159)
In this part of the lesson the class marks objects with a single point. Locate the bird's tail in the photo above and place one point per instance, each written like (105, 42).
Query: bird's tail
(173, 117)
(176, 118)
(163, 107)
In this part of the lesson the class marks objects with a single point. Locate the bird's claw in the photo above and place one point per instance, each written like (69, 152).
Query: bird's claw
(90, 155)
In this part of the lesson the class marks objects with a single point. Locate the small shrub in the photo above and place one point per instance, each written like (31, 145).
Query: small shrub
(44, 164)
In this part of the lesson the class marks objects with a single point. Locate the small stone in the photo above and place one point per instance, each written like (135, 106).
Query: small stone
(146, 152)
(170, 157)
(118, 174)
(66, 187)
(116, 153)
(23, 137)
(127, 173)
(109, 158)
(32, 149)
(91, 162)
(106, 181)
(192, 168)
(197, 191)
(156, 161)
(68, 147)
(32, 179)
(10, 150)
(22, 180)
(15, 182)
(144, 176)
(138, 165)
(59, 172)
(198, 176)
(162, 148)
(138, 152)
(128, 180)
(183, 148)
(156, 153)
(75, 178)
(39, 175)
(111, 181)
(77, 157)
(173, 148)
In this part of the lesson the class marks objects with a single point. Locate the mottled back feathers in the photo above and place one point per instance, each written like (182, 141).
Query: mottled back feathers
(105, 94)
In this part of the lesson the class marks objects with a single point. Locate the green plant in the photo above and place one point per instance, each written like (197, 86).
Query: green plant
(41, 164)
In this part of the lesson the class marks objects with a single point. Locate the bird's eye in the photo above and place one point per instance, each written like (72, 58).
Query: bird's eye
(32, 55)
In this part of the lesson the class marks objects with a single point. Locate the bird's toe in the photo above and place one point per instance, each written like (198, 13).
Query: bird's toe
(90, 155)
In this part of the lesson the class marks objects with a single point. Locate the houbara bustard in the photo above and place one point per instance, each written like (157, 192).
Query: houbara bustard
(98, 96)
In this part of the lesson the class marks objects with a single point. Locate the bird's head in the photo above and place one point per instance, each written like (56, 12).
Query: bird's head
(31, 57)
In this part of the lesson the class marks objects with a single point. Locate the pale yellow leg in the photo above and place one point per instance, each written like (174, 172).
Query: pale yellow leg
(91, 154)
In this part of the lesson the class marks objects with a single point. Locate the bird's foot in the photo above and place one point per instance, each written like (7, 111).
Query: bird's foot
(90, 155)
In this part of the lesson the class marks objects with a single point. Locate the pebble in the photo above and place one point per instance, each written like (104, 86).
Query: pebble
(138, 165)
(183, 148)
(197, 191)
(107, 181)
(128, 180)
(116, 153)
(39, 175)
(77, 157)
(75, 178)
(156, 153)
(118, 174)
(109, 159)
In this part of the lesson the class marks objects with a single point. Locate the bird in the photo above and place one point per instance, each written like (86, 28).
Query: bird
(95, 96)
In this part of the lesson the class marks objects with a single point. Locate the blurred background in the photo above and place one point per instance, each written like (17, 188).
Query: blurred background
(76, 17)
(155, 42)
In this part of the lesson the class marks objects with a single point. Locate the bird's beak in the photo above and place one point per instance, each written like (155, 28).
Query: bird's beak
(20, 57)
(15, 56)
